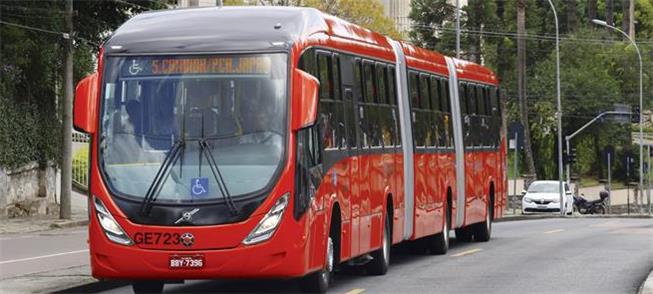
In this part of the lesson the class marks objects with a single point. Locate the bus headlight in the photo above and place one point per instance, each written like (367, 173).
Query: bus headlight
(268, 225)
(111, 228)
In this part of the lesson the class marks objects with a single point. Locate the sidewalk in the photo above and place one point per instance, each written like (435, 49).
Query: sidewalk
(79, 217)
(617, 197)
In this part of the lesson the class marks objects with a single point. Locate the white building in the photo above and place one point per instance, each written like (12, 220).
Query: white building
(195, 3)
(399, 10)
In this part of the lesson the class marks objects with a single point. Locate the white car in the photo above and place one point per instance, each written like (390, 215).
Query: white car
(544, 196)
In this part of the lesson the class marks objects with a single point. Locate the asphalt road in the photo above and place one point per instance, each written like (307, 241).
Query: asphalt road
(549, 255)
(22, 254)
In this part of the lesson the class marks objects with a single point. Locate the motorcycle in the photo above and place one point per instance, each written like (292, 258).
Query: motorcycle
(584, 206)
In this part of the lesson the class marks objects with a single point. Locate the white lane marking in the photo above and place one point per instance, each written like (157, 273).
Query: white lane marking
(42, 234)
(467, 252)
(554, 231)
(355, 291)
(43, 256)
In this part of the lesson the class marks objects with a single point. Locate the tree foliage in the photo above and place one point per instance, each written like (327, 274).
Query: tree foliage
(597, 68)
(31, 79)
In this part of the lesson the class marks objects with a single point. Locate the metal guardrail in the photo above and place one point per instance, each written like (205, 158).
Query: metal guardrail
(514, 202)
(80, 162)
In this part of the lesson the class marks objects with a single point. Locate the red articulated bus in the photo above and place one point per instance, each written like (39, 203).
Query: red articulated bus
(280, 142)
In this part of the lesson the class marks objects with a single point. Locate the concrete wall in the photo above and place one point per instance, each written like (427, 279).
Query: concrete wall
(28, 190)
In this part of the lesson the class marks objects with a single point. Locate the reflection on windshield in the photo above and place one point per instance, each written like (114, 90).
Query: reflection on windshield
(544, 188)
(237, 103)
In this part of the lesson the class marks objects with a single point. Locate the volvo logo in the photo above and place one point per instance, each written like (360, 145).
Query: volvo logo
(187, 216)
(187, 239)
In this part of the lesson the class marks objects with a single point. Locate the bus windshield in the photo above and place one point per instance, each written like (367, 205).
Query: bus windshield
(236, 104)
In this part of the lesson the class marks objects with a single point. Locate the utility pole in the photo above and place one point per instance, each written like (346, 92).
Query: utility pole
(610, 183)
(67, 161)
(631, 20)
(648, 191)
(458, 29)
(521, 91)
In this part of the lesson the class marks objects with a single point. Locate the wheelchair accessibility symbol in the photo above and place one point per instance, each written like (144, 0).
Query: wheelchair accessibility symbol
(199, 187)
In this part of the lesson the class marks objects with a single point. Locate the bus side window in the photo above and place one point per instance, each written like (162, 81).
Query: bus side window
(392, 95)
(462, 89)
(381, 89)
(335, 76)
(324, 64)
(434, 89)
(308, 169)
(424, 98)
(307, 62)
(413, 88)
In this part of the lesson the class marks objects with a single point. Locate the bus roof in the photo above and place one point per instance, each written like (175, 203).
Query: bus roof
(256, 28)
(215, 29)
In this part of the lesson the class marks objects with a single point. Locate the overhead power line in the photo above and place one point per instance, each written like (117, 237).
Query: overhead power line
(62, 34)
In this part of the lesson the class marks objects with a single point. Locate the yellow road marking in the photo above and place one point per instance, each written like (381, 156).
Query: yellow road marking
(554, 231)
(355, 291)
(467, 252)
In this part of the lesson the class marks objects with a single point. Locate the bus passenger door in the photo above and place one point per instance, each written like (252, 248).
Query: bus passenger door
(349, 91)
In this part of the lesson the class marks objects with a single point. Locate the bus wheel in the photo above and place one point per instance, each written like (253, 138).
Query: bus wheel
(482, 231)
(379, 265)
(464, 234)
(318, 282)
(439, 243)
(147, 287)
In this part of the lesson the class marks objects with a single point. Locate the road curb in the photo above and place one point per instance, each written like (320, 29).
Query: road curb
(68, 224)
(49, 282)
(535, 217)
(647, 285)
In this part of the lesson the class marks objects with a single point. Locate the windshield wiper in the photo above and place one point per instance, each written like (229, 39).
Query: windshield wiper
(222, 186)
(161, 175)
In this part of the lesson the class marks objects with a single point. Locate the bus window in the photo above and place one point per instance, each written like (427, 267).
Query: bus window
(324, 64)
(368, 75)
(444, 96)
(462, 94)
(494, 101)
(381, 83)
(335, 76)
(480, 102)
(424, 91)
(307, 62)
(392, 96)
(434, 89)
(469, 95)
(413, 88)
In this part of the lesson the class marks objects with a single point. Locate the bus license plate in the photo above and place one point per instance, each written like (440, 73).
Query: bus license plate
(186, 261)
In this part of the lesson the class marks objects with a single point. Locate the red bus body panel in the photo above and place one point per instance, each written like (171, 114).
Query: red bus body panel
(361, 186)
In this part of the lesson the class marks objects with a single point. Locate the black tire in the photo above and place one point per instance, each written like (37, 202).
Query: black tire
(439, 243)
(483, 231)
(318, 282)
(464, 234)
(378, 266)
(599, 209)
(147, 286)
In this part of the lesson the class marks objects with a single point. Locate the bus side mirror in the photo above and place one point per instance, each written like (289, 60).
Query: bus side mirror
(304, 103)
(85, 105)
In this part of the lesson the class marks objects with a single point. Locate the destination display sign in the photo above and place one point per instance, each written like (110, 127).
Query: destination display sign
(149, 66)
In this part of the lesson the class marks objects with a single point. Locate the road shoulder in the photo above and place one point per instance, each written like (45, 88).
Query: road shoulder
(48, 282)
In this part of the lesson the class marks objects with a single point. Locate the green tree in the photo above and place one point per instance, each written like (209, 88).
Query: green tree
(31, 70)
(429, 16)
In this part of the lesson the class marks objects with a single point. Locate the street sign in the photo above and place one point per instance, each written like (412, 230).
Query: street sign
(515, 129)
(607, 150)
